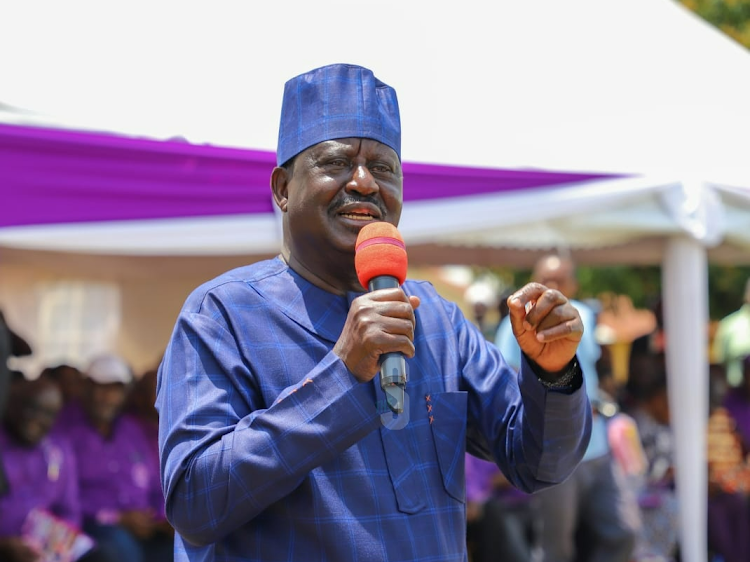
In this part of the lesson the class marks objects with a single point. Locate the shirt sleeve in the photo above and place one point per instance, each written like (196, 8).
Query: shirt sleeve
(225, 455)
(535, 435)
(151, 458)
(68, 504)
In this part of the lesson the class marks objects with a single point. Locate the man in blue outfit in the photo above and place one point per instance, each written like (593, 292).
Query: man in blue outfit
(274, 442)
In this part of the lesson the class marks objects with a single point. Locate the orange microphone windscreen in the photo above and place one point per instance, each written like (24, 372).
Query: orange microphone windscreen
(380, 251)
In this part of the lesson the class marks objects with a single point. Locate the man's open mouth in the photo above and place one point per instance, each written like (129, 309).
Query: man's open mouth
(359, 216)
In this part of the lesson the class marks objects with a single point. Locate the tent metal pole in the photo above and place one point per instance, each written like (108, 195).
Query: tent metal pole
(685, 298)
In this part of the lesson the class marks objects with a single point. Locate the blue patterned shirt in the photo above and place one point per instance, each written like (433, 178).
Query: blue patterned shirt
(588, 354)
(272, 451)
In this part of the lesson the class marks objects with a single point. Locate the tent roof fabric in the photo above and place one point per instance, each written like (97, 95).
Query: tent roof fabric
(54, 176)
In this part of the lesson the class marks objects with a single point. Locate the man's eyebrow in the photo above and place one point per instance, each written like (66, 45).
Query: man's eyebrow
(331, 149)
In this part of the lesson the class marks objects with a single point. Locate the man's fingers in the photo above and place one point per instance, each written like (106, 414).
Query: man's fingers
(395, 309)
(400, 327)
(567, 329)
(532, 305)
(552, 308)
(384, 295)
(527, 294)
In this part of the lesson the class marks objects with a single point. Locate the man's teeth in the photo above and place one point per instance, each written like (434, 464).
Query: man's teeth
(357, 217)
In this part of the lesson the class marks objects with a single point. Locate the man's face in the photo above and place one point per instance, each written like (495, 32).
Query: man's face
(105, 401)
(558, 274)
(71, 383)
(38, 415)
(336, 187)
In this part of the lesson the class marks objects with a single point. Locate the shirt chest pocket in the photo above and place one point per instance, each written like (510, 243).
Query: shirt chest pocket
(430, 447)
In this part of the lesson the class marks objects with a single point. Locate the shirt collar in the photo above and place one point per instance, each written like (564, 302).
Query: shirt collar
(311, 307)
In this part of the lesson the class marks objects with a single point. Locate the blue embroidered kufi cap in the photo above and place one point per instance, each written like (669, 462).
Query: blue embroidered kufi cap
(334, 102)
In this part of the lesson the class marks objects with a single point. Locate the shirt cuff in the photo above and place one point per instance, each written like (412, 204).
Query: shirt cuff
(567, 380)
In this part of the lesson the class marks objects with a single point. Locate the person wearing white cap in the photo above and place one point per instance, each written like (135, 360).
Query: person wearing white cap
(116, 474)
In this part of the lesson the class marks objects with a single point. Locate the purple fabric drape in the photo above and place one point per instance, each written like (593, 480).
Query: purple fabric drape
(50, 176)
(60, 176)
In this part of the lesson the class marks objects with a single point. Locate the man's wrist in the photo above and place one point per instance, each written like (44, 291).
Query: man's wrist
(569, 378)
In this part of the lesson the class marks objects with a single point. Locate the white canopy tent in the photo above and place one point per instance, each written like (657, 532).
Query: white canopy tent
(628, 86)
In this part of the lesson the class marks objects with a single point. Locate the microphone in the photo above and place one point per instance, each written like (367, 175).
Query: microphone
(381, 263)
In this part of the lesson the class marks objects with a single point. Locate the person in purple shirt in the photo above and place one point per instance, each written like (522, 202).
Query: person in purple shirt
(40, 466)
(11, 344)
(122, 508)
(277, 442)
(68, 378)
(501, 522)
(141, 407)
(737, 403)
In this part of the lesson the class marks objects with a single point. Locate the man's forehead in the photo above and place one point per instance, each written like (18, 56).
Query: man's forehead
(353, 145)
(554, 269)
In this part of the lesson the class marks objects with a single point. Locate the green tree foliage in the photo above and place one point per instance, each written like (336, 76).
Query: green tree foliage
(726, 289)
(731, 16)
(641, 284)
(726, 284)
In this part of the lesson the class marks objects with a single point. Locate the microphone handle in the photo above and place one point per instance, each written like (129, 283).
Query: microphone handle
(393, 380)
(383, 282)
(392, 365)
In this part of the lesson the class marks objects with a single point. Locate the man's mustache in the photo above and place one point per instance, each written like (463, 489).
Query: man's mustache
(351, 200)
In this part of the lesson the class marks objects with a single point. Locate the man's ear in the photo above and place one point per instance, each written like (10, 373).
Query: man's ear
(279, 187)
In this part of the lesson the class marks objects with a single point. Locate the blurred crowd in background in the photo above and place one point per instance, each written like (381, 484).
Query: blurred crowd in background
(78, 446)
(620, 504)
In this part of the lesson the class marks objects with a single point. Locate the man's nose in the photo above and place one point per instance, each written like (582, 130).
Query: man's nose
(362, 181)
